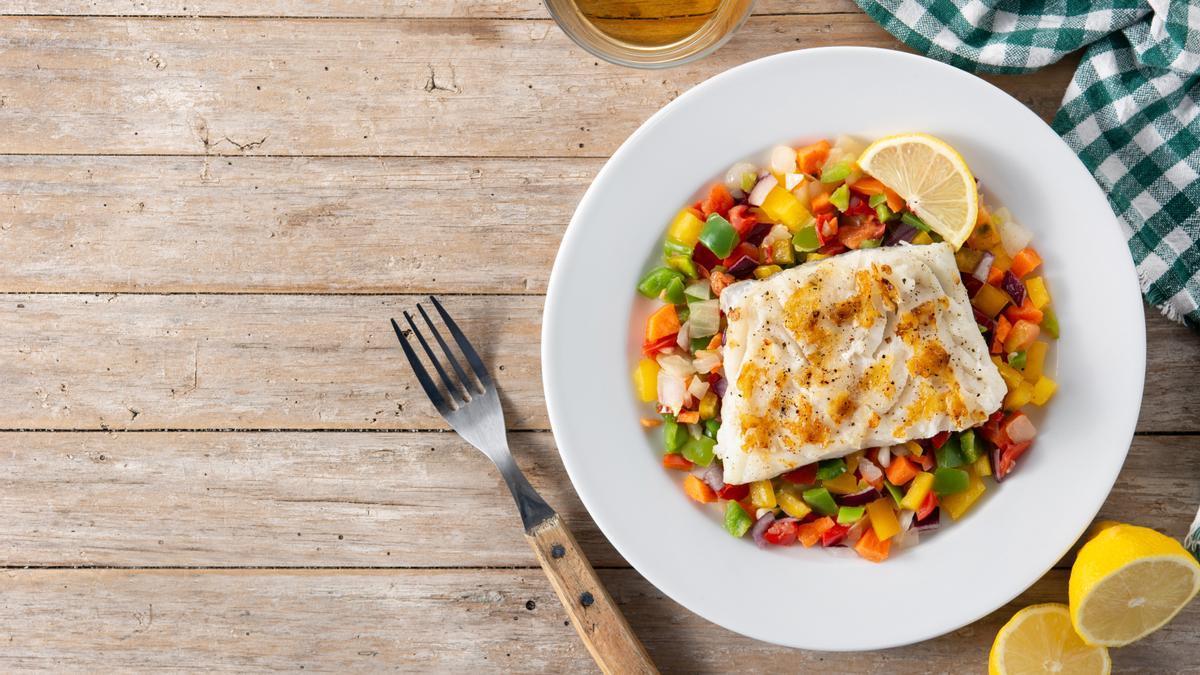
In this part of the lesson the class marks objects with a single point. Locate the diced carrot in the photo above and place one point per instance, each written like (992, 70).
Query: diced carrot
(820, 204)
(1026, 311)
(900, 471)
(662, 323)
(651, 422)
(810, 158)
(688, 417)
(995, 276)
(894, 201)
(677, 462)
(750, 509)
(715, 341)
(719, 201)
(870, 186)
(810, 533)
(1025, 261)
(698, 490)
(871, 548)
(1003, 326)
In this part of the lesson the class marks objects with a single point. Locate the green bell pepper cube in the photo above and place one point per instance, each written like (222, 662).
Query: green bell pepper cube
(821, 501)
(876, 200)
(656, 281)
(699, 451)
(950, 454)
(1017, 360)
(836, 172)
(916, 222)
(871, 243)
(711, 427)
(674, 434)
(683, 312)
(749, 180)
(674, 248)
(948, 481)
(806, 239)
(1050, 322)
(831, 468)
(969, 446)
(883, 213)
(673, 293)
(737, 521)
(840, 198)
(719, 236)
(848, 515)
(894, 492)
(684, 264)
(700, 343)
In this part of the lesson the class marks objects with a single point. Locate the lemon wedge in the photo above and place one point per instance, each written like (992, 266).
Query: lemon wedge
(932, 177)
(1127, 582)
(1040, 639)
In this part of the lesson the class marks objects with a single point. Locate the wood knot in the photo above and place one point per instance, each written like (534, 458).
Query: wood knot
(557, 551)
(586, 599)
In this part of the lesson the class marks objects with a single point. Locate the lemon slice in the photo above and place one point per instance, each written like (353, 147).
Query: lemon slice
(932, 177)
(1127, 582)
(1040, 639)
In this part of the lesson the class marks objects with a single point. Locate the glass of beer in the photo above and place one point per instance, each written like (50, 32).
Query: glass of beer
(649, 33)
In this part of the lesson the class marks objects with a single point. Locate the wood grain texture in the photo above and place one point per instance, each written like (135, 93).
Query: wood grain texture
(243, 225)
(432, 621)
(596, 617)
(360, 87)
(320, 362)
(354, 499)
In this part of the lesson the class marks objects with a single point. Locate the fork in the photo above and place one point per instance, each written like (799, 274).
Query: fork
(471, 406)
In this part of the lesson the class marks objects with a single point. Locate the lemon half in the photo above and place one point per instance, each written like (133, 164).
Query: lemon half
(932, 177)
(1040, 639)
(1127, 582)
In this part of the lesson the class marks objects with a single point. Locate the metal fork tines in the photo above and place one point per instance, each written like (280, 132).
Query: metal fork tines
(470, 404)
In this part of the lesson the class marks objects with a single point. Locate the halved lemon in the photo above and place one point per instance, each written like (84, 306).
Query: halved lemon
(932, 177)
(1127, 582)
(1040, 639)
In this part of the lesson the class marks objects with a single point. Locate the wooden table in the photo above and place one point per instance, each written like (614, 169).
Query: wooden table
(214, 454)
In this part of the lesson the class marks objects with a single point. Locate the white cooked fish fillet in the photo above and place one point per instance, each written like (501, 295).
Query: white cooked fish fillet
(865, 349)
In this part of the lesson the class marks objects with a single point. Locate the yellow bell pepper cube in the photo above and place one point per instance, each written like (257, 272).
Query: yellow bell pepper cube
(921, 239)
(814, 256)
(1035, 361)
(958, 503)
(783, 207)
(983, 465)
(764, 271)
(686, 228)
(990, 300)
(915, 448)
(1035, 287)
(1012, 377)
(1043, 390)
(985, 236)
(793, 505)
(883, 519)
(762, 494)
(708, 405)
(1003, 261)
(1018, 397)
(918, 490)
(645, 380)
(845, 484)
(853, 459)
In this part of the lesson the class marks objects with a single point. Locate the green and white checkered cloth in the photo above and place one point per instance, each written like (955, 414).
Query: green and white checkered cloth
(1130, 112)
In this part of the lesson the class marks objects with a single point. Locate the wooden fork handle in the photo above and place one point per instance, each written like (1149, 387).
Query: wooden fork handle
(596, 617)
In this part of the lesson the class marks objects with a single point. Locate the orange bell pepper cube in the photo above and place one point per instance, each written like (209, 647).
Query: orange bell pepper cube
(871, 548)
(698, 490)
(1023, 334)
(1025, 261)
(1026, 311)
(688, 417)
(810, 158)
(810, 533)
(821, 204)
(995, 276)
(662, 323)
(870, 186)
(900, 471)
(1003, 327)
(677, 462)
(719, 201)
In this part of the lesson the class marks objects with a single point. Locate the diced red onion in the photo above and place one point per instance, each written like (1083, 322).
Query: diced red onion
(743, 267)
(859, 498)
(973, 285)
(885, 457)
(1020, 429)
(983, 319)
(757, 233)
(1013, 286)
(984, 267)
(760, 528)
(930, 522)
(719, 387)
(761, 190)
(714, 477)
(997, 474)
(869, 471)
(902, 232)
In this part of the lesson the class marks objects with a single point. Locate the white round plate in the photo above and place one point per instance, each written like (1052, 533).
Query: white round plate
(812, 598)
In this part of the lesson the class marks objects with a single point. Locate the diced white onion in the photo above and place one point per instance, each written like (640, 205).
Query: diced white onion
(1013, 235)
(675, 365)
(672, 391)
(906, 519)
(984, 268)
(698, 388)
(783, 159)
(761, 190)
(761, 512)
(792, 180)
(695, 430)
(705, 318)
(777, 233)
(706, 361)
(885, 457)
(700, 290)
(900, 450)
(869, 471)
(682, 340)
(1020, 429)
(733, 177)
(855, 532)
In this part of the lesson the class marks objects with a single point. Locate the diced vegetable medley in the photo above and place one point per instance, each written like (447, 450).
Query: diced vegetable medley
(805, 204)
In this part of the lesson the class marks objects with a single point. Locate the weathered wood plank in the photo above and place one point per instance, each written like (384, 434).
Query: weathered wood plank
(517, 9)
(241, 225)
(295, 87)
(486, 620)
(319, 362)
(353, 499)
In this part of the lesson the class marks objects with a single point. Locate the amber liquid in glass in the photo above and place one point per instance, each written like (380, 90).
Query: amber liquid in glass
(648, 23)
